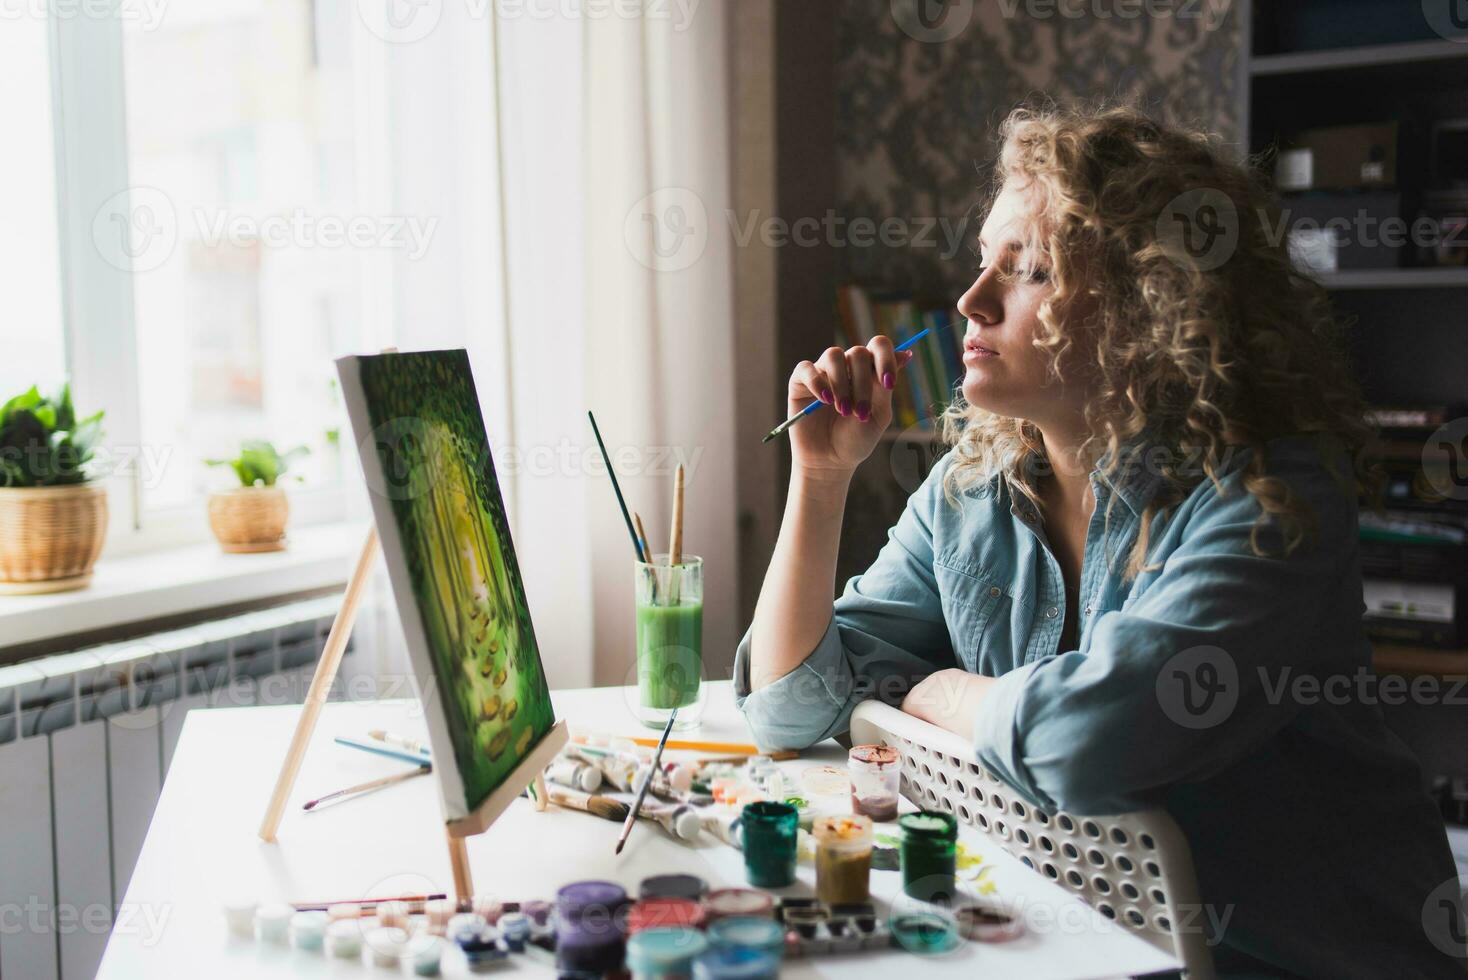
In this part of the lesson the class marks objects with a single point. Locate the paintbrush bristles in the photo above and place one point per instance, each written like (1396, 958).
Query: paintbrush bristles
(598, 806)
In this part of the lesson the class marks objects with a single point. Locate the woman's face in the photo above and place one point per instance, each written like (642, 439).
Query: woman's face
(1005, 373)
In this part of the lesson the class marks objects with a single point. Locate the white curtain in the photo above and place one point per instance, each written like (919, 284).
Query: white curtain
(578, 160)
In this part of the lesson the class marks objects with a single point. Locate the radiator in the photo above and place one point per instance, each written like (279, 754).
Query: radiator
(85, 741)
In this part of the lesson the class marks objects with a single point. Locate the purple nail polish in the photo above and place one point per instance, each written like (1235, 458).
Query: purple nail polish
(864, 411)
(888, 381)
(826, 395)
(843, 405)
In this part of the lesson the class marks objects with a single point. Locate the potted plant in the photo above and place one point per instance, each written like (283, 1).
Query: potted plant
(252, 516)
(53, 517)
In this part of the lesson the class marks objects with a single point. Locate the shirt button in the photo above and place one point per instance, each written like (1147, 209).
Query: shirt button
(994, 591)
(1088, 610)
(1051, 613)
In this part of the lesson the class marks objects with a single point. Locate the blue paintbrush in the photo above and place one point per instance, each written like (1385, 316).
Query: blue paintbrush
(813, 406)
(381, 748)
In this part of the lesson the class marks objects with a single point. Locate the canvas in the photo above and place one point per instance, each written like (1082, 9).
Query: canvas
(437, 505)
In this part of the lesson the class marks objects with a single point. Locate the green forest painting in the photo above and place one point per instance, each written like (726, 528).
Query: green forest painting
(429, 438)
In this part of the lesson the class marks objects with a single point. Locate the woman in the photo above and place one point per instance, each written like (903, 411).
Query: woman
(1142, 540)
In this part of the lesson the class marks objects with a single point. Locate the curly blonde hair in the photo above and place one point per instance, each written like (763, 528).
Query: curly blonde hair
(1199, 356)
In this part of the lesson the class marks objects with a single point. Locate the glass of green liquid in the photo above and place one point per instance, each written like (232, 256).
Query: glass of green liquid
(670, 641)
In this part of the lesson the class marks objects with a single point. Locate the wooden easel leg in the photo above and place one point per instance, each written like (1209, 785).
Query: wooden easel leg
(326, 668)
(540, 797)
(459, 861)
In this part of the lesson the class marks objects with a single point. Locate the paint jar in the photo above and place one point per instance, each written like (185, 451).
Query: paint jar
(769, 832)
(384, 946)
(590, 923)
(343, 939)
(308, 930)
(664, 913)
(664, 954)
(272, 922)
(723, 903)
(239, 916)
(425, 955)
(748, 932)
(843, 859)
(929, 854)
(691, 887)
(876, 775)
(928, 931)
(736, 964)
(669, 641)
(515, 928)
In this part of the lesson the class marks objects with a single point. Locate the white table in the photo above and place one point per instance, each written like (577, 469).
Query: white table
(202, 849)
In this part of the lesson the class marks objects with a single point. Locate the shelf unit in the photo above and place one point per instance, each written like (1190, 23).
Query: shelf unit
(1404, 324)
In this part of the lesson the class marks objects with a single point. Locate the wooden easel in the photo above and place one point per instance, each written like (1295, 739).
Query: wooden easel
(530, 771)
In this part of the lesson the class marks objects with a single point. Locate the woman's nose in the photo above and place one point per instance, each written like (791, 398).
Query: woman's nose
(980, 301)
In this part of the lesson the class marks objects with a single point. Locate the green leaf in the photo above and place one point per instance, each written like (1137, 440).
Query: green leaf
(65, 412)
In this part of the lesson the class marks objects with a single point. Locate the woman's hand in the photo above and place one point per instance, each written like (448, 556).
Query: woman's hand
(857, 384)
(949, 699)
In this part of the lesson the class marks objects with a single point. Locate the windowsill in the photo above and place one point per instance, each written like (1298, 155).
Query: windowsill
(178, 582)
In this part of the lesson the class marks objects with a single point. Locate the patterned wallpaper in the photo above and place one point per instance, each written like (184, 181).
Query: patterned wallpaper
(921, 86)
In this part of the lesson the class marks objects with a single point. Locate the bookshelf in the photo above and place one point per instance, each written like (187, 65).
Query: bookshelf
(1407, 661)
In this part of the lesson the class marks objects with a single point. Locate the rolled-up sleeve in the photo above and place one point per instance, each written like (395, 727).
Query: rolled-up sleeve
(1185, 680)
(886, 633)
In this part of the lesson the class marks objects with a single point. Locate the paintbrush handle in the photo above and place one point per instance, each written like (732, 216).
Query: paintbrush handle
(647, 780)
(370, 784)
(816, 406)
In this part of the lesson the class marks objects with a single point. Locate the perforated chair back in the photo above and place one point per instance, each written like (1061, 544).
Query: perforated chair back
(1133, 867)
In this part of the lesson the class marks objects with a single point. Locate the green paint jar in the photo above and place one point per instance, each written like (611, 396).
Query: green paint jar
(769, 831)
(929, 854)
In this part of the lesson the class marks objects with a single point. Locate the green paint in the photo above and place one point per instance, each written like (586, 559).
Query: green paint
(929, 854)
(769, 832)
(669, 653)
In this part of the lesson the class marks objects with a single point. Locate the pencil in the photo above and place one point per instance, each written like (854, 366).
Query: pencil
(813, 406)
(657, 757)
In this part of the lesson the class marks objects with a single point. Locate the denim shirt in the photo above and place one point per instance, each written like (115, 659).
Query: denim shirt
(1232, 689)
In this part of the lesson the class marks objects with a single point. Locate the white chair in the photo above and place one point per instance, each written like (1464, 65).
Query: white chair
(1133, 867)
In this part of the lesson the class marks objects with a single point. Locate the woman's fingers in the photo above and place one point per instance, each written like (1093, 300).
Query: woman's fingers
(833, 363)
(860, 364)
(809, 381)
(884, 361)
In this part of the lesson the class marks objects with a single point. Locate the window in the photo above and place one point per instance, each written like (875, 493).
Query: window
(31, 326)
(240, 158)
(207, 201)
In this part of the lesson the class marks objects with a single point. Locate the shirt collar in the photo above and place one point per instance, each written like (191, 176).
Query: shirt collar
(1136, 477)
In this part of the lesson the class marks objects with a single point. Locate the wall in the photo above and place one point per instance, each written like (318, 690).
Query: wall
(918, 103)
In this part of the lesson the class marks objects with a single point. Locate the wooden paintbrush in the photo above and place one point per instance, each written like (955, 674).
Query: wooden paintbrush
(598, 806)
(675, 540)
(371, 784)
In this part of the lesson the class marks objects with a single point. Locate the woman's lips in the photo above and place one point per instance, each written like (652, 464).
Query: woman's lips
(974, 351)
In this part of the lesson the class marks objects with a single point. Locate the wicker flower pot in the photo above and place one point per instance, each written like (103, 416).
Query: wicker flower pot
(50, 537)
(249, 519)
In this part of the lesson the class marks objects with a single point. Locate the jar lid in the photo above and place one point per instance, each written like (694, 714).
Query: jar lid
(875, 755)
(735, 964)
(580, 896)
(664, 950)
(664, 913)
(852, 829)
(929, 823)
(738, 901)
(769, 812)
(748, 932)
(672, 886)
